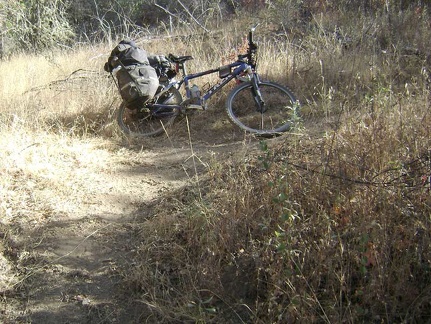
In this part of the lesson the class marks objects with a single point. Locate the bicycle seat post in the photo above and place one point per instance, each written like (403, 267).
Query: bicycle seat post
(183, 68)
(180, 62)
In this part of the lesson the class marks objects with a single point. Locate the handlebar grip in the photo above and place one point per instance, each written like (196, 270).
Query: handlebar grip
(250, 33)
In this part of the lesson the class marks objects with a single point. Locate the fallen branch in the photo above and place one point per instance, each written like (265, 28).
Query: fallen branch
(79, 74)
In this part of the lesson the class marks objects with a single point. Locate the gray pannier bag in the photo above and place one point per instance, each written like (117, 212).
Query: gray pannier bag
(137, 79)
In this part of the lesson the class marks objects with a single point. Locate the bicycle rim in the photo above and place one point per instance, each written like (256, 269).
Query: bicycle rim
(143, 122)
(279, 112)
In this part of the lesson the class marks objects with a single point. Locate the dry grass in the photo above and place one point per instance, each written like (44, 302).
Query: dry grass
(334, 229)
(327, 226)
(330, 224)
(53, 124)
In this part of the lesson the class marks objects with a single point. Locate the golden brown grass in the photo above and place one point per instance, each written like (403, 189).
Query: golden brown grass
(54, 124)
(330, 224)
(332, 229)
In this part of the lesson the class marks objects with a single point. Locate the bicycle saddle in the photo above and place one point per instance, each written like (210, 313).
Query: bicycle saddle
(179, 59)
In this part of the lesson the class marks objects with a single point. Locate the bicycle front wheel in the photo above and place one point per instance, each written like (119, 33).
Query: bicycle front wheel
(145, 122)
(272, 113)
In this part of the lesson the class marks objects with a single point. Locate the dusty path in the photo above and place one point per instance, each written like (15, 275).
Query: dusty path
(71, 272)
(66, 267)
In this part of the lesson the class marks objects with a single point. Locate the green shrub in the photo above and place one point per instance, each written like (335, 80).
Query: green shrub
(34, 25)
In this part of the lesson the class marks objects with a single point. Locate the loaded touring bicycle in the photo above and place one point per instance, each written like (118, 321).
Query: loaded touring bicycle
(256, 106)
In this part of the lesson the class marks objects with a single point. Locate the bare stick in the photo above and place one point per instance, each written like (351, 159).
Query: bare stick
(191, 16)
(168, 12)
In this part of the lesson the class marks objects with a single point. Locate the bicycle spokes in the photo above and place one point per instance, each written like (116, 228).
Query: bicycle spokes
(268, 109)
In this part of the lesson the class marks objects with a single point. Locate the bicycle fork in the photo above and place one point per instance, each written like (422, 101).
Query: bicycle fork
(257, 95)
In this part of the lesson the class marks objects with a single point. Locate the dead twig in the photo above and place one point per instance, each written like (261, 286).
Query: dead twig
(187, 11)
(79, 74)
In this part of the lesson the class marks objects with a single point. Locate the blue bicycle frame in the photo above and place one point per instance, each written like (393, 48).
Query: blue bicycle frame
(160, 109)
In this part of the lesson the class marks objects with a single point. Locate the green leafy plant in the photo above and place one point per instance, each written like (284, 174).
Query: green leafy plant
(35, 24)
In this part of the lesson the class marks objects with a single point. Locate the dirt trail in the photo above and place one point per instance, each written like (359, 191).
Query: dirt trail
(73, 273)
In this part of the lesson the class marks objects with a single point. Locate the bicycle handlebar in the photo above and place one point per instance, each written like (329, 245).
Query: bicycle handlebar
(250, 33)
(252, 48)
(250, 55)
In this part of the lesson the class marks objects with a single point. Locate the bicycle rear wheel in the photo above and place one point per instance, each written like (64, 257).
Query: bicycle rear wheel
(145, 122)
(276, 115)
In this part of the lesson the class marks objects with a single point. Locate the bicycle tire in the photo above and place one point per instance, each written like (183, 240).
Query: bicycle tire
(142, 122)
(280, 112)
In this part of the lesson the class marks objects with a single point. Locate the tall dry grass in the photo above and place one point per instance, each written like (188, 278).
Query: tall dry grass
(327, 229)
(54, 136)
(56, 90)
(330, 224)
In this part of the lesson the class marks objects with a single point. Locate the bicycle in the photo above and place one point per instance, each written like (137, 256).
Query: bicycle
(256, 106)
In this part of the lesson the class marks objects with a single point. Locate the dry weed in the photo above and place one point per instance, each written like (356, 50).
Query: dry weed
(326, 227)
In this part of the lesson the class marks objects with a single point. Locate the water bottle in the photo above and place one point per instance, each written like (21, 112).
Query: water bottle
(195, 92)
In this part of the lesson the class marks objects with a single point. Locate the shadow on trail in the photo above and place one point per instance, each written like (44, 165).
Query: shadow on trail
(71, 267)
(70, 273)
